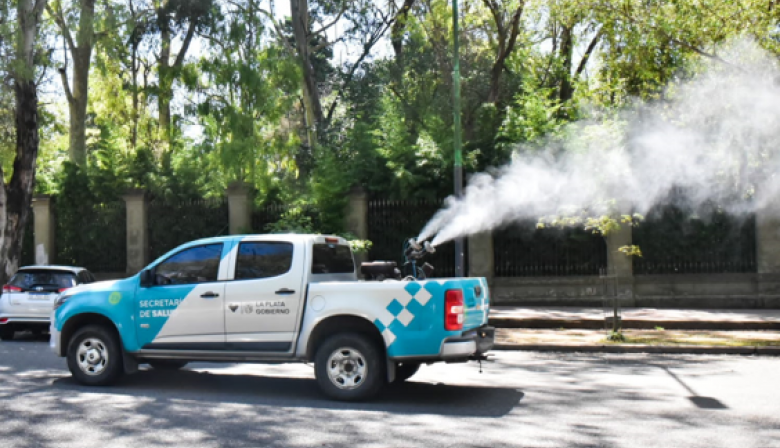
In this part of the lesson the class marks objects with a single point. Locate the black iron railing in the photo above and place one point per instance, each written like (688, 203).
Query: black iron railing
(93, 236)
(674, 242)
(390, 223)
(172, 223)
(522, 250)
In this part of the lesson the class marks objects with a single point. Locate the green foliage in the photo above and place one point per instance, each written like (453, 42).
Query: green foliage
(238, 114)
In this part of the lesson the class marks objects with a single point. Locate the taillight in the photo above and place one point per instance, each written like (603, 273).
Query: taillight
(63, 289)
(453, 310)
(11, 288)
(3, 320)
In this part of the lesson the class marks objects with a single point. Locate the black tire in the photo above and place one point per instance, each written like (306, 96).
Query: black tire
(167, 364)
(359, 354)
(404, 371)
(100, 343)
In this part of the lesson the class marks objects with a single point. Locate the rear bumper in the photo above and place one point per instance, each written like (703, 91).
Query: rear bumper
(10, 319)
(472, 342)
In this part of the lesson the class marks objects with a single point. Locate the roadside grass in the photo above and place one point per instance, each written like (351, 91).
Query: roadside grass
(658, 337)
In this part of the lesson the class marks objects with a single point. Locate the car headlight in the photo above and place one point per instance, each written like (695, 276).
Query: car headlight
(61, 300)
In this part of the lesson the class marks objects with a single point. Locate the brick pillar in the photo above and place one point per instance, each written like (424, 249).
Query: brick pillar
(137, 230)
(620, 265)
(481, 257)
(357, 213)
(357, 219)
(45, 250)
(239, 195)
(768, 257)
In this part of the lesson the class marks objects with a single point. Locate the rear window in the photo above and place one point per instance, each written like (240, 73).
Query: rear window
(29, 279)
(332, 259)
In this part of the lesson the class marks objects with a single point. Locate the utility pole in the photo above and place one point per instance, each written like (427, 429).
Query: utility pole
(458, 169)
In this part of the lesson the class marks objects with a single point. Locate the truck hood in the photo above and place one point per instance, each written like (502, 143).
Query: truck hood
(109, 285)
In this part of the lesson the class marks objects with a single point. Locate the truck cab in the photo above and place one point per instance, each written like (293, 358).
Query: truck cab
(270, 298)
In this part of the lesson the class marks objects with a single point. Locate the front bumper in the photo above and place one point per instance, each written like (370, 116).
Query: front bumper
(54, 338)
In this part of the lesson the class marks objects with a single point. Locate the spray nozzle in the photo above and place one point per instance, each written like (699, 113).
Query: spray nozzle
(416, 250)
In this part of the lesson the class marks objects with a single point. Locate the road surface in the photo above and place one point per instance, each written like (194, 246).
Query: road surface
(521, 399)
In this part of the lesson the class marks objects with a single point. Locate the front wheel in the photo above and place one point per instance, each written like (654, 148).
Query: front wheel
(350, 367)
(94, 356)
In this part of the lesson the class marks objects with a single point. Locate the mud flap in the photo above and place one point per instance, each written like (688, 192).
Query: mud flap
(390, 370)
(129, 362)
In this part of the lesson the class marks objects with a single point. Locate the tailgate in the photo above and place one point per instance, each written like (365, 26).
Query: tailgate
(31, 302)
(476, 302)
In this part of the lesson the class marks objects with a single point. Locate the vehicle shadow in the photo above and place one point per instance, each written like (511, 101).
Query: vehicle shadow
(28, 336)
(407, 398)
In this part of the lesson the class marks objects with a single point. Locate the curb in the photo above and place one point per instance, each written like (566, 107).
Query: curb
(594, 324)
(677, 349)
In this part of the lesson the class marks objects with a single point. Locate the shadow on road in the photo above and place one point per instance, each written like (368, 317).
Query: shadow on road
(408, 398)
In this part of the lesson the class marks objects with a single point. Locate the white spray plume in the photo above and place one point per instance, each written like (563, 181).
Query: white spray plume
(718, 136)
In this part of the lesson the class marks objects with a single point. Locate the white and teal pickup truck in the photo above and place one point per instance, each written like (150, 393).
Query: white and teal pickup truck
(271, 299)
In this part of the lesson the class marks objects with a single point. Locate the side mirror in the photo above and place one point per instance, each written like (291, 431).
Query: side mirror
(147, 278)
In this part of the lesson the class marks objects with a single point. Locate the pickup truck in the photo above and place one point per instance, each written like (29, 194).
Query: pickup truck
(271, 299)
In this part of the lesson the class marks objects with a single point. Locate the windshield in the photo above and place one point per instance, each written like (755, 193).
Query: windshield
(29, 279)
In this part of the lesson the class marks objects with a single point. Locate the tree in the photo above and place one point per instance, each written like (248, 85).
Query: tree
(172, 16)
(507, 30)
(80, 50)
(16, 194)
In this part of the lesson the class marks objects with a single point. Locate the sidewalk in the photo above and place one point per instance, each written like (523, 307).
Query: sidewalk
(638, 318)
(647, 330)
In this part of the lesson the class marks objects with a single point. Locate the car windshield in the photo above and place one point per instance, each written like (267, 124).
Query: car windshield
(31, 278)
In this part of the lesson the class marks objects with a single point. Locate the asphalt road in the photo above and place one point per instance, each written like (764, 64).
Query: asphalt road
(521, 399)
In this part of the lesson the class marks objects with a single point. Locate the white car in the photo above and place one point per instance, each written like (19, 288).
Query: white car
(28, 297)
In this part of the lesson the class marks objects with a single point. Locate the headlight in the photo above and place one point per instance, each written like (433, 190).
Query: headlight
(61, 300)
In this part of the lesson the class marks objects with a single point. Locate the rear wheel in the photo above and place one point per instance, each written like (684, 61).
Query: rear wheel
(167, 364)
(7, 333)
(404, 371)
(350, 367)
(94, 356)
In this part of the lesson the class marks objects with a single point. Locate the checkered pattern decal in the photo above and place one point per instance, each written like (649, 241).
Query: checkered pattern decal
(412, 321)
(402, 310)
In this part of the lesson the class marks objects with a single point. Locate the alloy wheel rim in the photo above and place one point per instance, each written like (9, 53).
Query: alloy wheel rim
(347, 368)
(92, 356)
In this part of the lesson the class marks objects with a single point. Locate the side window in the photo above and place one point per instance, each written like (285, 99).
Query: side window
(263, 260)
(198, 264)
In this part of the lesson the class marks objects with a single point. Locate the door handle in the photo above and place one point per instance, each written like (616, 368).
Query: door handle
(209, 295)
(285, 292)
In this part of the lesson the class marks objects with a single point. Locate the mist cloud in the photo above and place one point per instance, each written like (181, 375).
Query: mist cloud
(716, 137)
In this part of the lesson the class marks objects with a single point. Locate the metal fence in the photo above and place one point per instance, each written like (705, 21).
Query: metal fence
(390, 223)
(92, 235)
(674, 243)
(172, 223)
(522, 250)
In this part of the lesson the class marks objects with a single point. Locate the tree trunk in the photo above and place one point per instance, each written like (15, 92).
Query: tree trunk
(397, 39)
(16, 197)
(166, 84)
(495, 82)
(299, 11)
(567, 45)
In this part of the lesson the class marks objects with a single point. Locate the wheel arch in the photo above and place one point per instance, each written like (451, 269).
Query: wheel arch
(73, 324)
(343, 323)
